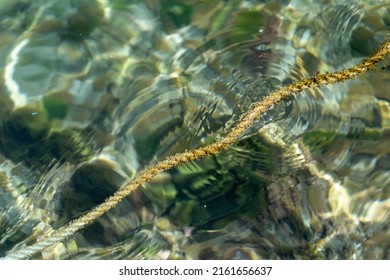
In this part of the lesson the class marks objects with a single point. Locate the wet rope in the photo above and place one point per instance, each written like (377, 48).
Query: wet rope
(256, 109)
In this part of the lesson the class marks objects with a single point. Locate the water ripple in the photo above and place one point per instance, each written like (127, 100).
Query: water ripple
(94, 91)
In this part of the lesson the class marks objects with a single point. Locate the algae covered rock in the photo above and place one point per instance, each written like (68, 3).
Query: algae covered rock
(27, 125)
(28, 135)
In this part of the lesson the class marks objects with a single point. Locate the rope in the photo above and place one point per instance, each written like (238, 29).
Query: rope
(256, 109)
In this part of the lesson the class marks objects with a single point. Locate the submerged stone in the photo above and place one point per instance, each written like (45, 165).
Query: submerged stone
(27, 125)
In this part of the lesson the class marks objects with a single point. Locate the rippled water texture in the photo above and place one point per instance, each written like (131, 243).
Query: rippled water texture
(93, 91)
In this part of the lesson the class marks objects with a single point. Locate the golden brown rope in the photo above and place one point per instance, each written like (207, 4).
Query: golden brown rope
(246, 120)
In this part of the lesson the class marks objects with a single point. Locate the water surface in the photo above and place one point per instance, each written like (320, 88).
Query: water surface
(93, 91)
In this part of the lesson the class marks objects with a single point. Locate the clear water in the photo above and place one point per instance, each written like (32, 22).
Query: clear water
(93, 91)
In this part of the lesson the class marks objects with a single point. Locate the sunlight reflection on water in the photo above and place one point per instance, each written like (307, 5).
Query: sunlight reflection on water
(95, 90)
